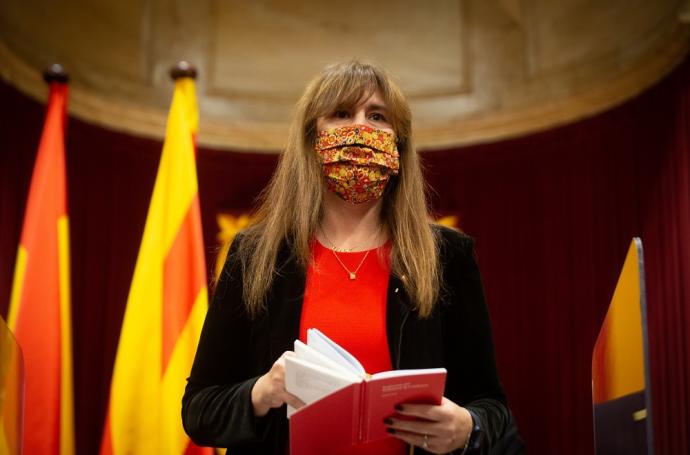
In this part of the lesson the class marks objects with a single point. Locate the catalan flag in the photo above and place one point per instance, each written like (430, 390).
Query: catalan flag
(39, 312)
(166, 305)
(621, 392)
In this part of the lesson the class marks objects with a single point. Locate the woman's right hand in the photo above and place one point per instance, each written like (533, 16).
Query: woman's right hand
(269, 390)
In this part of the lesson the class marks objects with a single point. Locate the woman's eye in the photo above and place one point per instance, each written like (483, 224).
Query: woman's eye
(340, 114)
(376, 116)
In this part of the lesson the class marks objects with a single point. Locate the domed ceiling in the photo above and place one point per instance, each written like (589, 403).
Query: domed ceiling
(474, 70)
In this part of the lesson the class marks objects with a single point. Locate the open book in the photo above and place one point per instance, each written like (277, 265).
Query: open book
(344, 404)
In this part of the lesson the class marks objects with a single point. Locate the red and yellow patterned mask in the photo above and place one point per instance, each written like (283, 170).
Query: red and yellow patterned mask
(357, 161)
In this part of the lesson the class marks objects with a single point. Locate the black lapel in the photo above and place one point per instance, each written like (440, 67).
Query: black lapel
(397, 312)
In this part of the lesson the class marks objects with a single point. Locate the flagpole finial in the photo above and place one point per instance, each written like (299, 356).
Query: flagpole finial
(55, 73)
(183, 69)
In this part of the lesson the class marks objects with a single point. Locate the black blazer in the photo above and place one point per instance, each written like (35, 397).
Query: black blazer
(235, 350)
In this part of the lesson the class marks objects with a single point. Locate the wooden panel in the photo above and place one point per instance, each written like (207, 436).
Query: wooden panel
(575, 31)
(99, 38)
(271, 49)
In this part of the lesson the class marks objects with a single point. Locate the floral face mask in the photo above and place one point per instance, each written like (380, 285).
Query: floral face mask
(357, 161)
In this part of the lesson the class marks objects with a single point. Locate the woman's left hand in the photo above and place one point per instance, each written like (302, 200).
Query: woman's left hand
(435, 428)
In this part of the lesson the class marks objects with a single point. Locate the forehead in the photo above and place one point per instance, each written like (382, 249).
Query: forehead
(366, 99)
(372, 100)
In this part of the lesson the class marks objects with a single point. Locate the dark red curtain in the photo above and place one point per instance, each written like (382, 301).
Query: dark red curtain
(553, 214)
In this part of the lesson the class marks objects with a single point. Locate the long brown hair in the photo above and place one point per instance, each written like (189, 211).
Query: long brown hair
(290, 208)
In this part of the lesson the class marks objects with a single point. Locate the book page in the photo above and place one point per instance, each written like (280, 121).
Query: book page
(399, 373)
(310, 382)
(333, 351)
(310, 354)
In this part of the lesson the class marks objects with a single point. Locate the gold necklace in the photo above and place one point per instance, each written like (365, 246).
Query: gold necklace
(349, 250)
(352, 274)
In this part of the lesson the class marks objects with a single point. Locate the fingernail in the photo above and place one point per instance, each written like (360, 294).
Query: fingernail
(390, 430)
(388, 421)
(398, 407)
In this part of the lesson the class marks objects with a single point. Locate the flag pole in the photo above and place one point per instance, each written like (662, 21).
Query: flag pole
(183, 69)
(55, 73)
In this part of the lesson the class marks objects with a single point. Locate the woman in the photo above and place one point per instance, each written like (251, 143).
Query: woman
(343, 242)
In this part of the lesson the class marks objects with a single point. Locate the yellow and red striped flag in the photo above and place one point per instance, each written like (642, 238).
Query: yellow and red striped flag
(618, 360)
(39, 314)
(166, 305)
(621, 393)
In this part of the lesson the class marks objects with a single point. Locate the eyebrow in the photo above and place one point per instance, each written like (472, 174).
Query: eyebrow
(377, 107)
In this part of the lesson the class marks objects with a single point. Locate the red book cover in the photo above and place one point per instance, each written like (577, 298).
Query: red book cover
(355, 413)
(383, 393)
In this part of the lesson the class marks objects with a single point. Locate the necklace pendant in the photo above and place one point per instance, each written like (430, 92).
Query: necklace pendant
(352, 276)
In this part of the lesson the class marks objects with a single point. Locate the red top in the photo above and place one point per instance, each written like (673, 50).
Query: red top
(352, 313)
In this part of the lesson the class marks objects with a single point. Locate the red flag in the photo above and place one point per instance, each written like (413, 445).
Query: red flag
(40, 315)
